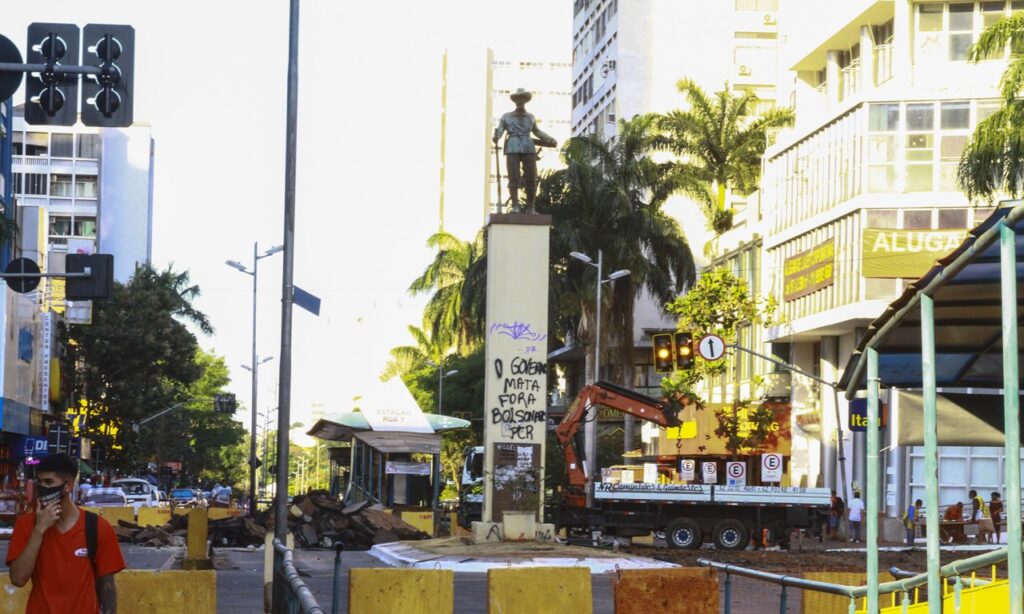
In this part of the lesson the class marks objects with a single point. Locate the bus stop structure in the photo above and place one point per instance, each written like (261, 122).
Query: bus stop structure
(956, 327)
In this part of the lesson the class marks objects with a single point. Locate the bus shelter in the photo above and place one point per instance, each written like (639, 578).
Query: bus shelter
(957, 327)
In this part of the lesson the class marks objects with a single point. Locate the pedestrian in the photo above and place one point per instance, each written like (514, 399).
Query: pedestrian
(955, 516)
(980, 514)
(910, 518)
(856, 517)
(835, 515)
(50, 546)
(83, 490)
(996, 511)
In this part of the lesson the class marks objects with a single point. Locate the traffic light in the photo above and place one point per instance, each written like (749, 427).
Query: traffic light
(224, 403)
(98, 286)
(684, 351)
(107, 97)
(662, 353)
(52, 98)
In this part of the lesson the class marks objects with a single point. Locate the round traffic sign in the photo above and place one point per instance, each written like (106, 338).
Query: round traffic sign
(736, 470)
(9, 81)
(711, 347)
(772, 461)
(22, 266)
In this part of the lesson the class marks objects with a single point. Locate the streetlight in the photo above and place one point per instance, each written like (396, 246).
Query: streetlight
(440, 407)
(256, 257)
(590, 428)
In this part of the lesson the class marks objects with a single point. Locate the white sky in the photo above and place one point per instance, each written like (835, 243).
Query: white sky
(367, 161)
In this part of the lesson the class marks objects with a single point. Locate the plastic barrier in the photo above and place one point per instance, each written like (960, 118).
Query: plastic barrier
(154, 516)
(410, 591)
(645, 591)
(540, 589)
(219, 513)
(149, 591)
(113, 514)
(424, 521)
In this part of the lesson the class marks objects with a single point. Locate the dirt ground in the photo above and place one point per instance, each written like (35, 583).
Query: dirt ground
(811, 557)
(528, 549)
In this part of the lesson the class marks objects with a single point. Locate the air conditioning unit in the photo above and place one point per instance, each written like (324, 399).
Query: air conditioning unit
(744, 70)
(607, 67)
(611, 118)
(769, 19)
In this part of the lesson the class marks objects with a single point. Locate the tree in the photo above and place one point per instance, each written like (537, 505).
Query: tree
(718, 304)
(408, 358)
(993, 160)
(720, 144)
(456, 279)
(136, 358)
(609, 198)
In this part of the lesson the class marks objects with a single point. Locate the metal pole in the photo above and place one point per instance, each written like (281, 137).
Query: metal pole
(728, 594)
(590, 428)
(840, 447)
(284, 401)
(931, 451)
(338, 583)
(255, 367)
(437, 457)
(1011, 417)
(872, 490)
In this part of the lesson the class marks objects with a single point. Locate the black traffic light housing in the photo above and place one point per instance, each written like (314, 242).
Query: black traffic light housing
(107, 97)
(663, 353)
(224, 403)
(51, 98)
(98, 286)
(684, 351)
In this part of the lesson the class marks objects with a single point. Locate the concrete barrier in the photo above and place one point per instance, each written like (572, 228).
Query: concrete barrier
(646, 591)
(149, 591)
(113, 514)
(424, 521)
(195, 551)
(539, 589)
(409, 591)
(153, 516)
(219, 513)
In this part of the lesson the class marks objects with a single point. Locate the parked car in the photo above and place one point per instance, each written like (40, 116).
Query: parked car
(184, 497)
(162, 499)
(140, 492)
(105, 497)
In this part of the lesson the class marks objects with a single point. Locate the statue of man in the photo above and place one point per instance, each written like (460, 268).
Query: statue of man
(520, 148)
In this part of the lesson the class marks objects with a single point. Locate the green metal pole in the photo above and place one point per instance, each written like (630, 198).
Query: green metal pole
(931, 453)
(1011, 416)
(872, 490)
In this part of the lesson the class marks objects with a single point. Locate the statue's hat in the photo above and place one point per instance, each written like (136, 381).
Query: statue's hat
(521, 94)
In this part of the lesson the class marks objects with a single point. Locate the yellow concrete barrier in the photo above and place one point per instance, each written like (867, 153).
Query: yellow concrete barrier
(219, 513)
(195, 551)
(113, 514)
(154, 516)
(824, 603)
(539, 589)
(424, 521)
(181, 511)
(645, 591)
(410, 591)
(149, 591)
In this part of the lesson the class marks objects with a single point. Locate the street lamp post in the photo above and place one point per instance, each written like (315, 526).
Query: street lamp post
(590, 428)
(440, 411)
(256, 257)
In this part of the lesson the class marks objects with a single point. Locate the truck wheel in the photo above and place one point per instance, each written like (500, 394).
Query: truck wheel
(731, 535)
(683, 533)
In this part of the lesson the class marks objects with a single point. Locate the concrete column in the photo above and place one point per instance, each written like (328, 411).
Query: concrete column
(867, 59)
(832, 77)
(903, 41)
(515, 384)
(826, 401)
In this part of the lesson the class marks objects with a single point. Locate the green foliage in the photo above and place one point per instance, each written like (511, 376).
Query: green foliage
(136, 358)
(719, 144)
(456, 281)
(408, 358)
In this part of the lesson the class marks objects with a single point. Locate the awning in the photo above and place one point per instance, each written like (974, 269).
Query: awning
(341, 427)
(965, 288)
(401, 443)
(963, 419)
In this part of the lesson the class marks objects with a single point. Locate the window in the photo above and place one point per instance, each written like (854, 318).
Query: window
(919, 152)
(18, 143)
(88, 146)
(961, 30)
(60, 226)
(952, 218)
(882, 119)
(85, 227)
(61, 186)
(36, 144)
(35, 184)
(61, 145)
(955, 124)
(929, 17)
(85, 186)
(881, 218)
(917, 219)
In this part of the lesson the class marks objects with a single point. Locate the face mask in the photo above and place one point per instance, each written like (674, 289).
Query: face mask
(49, 494)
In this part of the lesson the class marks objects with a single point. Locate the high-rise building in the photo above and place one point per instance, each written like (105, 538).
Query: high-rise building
(476, 84)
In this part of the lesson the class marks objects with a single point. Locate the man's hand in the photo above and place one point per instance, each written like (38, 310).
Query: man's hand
(47, 515)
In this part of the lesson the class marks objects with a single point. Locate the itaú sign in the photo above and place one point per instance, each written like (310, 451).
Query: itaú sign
(888, 252)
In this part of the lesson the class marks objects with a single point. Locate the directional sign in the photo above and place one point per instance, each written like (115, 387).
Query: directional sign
(687, 469)
(735, 474)
(711, 347)
(710, 471)
(771, 467)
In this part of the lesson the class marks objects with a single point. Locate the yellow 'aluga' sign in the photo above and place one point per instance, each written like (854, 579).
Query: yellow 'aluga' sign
(889, 252)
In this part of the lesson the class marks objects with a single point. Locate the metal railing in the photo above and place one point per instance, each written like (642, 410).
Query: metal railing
(906, 585)
(291, 595)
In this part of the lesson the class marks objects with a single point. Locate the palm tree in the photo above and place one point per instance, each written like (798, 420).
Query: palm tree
(408, 358)
(993, 160)
(720, 145)
(457, 278)
(609, 198)
(173, 291)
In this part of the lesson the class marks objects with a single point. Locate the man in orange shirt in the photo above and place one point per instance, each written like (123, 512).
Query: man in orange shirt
(70, 559)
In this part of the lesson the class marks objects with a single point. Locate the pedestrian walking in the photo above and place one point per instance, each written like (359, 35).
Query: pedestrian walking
(70, 555)
(996, 512)
(910, 518)
(835, 515)
(856, 517)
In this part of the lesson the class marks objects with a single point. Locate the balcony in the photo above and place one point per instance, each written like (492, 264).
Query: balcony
(883, 63)
(849, 79)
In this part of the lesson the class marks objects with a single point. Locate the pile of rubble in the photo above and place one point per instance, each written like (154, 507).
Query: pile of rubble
(223, 532)
(317, 520)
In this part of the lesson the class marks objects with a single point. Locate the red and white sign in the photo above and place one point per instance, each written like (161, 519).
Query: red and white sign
(710, 471)
(771, 467)
(735, 474)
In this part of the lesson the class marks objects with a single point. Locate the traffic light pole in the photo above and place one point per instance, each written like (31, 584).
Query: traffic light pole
(57, 70)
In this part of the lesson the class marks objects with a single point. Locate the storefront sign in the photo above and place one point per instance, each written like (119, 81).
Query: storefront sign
(407, 419)
(809, 271)
(905, 253)
(407, 468)
(704, 422)
(859, 415)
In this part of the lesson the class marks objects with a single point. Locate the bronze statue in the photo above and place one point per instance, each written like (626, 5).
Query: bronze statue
(521, 150)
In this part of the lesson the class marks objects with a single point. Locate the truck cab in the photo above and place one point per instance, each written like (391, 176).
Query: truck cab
(471, 487)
